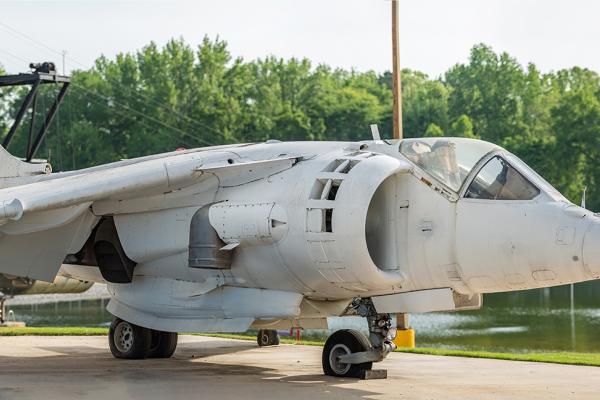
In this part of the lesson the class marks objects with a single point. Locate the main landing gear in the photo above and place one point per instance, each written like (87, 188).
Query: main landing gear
(130, 341)
(348, 353)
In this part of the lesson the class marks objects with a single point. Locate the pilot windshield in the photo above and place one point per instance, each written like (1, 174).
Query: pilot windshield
(448, 159)
(498, 180)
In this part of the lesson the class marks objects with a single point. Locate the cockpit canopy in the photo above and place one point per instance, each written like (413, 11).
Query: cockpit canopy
(503, 176)
(448, 159)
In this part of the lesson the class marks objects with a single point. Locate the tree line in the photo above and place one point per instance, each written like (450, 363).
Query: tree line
(158, 99)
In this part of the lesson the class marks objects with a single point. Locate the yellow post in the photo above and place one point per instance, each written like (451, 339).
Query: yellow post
(405, 337)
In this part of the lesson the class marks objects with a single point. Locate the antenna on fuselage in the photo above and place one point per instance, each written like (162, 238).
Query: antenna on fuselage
(583, 196)
(375, 133)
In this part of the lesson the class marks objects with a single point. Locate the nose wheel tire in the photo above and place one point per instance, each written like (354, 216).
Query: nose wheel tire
(340, 343)
(127, 340)
(267, 337)
(162, 344)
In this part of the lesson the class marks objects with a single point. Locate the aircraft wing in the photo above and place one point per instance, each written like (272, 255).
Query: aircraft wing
(41, 222)
(152, 177)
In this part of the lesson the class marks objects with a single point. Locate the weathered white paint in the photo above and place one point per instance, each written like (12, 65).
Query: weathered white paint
(422, 301)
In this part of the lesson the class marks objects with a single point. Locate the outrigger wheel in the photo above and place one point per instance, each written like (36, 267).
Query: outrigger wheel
(341, 343)
(130, 341)
(267, 337)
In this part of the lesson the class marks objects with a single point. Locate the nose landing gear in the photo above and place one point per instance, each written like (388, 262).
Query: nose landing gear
(348, 353)
(340, 345)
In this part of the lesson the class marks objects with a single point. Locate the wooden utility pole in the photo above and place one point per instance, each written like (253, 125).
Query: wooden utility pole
(397, 83)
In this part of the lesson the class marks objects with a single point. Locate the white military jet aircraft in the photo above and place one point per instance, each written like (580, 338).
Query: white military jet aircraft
(275, 235)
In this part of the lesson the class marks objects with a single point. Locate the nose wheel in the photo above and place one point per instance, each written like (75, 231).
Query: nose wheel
(338, 347)
(348, 353)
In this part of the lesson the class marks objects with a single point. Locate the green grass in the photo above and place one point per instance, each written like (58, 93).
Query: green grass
(52, 331)
(590, 359)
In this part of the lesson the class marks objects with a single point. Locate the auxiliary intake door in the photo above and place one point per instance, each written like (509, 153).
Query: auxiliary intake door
(386, 225)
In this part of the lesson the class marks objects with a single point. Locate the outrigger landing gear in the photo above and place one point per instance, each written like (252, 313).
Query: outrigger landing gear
(348, 353)
(2, 309)
(130, 341)
(267, 337)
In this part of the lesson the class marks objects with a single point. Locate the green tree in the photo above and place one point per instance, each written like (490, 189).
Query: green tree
(5, 103)
(424, 101)
(433, 131)
(463, 127)
(577, 125)
(489, 90)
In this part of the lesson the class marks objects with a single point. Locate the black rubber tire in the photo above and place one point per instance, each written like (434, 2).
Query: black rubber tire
(162, 344)
(138, 339)
(356, 342)
(267, 337)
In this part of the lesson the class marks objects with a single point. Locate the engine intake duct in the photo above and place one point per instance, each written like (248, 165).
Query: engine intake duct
(114, 264)
(205, 244)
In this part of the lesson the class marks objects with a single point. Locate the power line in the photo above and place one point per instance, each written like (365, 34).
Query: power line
(111, 100)
(118, 111)
(29, 38)
(63, 54)
(199, 140)
(13, 55)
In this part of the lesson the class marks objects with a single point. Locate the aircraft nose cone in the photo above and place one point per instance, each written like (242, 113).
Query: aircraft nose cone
(591, 249)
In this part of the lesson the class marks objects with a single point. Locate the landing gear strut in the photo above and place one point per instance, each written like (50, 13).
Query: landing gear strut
(348, 353)
(130, 341)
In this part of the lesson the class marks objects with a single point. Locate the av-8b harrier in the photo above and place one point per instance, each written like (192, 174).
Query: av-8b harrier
(274, 235)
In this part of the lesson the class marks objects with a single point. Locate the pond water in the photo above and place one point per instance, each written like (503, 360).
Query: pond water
(534, 320)
(65, 313)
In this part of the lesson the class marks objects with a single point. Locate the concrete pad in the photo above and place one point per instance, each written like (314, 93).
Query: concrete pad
(34, 367)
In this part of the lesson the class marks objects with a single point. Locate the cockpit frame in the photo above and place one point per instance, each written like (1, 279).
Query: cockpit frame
(506, 156)
(453, 195)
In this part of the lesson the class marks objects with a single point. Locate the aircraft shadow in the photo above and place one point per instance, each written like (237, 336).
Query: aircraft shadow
(189, 371)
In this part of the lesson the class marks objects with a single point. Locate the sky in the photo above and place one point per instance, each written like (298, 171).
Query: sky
(434, 34)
